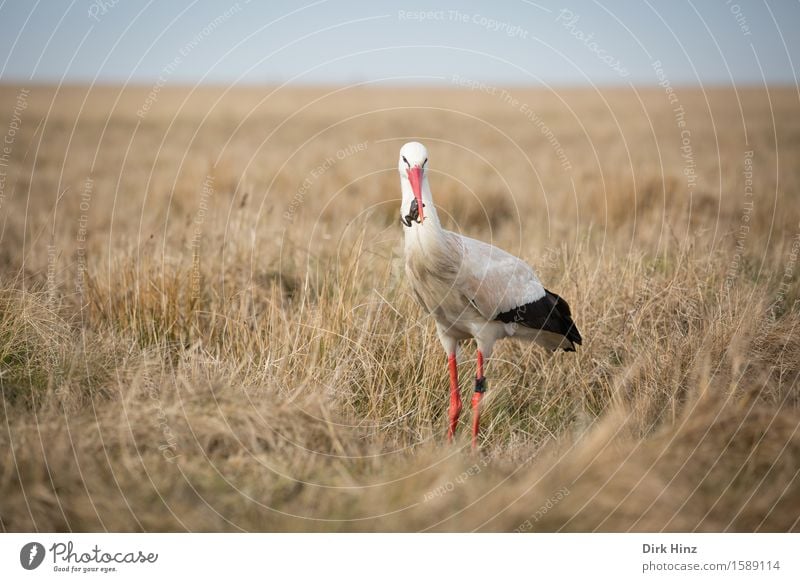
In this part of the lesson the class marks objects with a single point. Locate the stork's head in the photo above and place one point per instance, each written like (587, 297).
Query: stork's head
(412, 166)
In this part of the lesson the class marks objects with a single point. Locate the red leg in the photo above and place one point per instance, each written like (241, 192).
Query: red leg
(480, 388)
(455, 397)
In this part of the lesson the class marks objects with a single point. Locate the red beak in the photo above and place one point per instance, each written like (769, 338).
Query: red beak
(415, 177)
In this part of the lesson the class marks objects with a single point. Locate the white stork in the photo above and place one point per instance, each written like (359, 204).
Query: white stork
(472, 289)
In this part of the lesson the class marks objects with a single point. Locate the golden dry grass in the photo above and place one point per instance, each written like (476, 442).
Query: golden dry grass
(233, 347)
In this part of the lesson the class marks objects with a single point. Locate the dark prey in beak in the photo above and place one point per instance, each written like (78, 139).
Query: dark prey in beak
(413, 214)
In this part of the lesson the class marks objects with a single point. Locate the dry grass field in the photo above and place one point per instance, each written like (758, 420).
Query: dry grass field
(204, 323)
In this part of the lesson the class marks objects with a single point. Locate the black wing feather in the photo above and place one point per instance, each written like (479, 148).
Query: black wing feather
(550, 313)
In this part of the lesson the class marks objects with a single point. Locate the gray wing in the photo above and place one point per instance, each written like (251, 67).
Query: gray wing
(495, 281)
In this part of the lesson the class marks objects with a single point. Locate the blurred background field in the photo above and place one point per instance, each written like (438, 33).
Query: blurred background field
(204, 323)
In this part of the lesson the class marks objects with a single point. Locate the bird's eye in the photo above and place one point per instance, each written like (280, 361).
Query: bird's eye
(406, 161)
(425, 162)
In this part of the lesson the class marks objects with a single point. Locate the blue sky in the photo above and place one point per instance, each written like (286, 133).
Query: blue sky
(335, 41)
